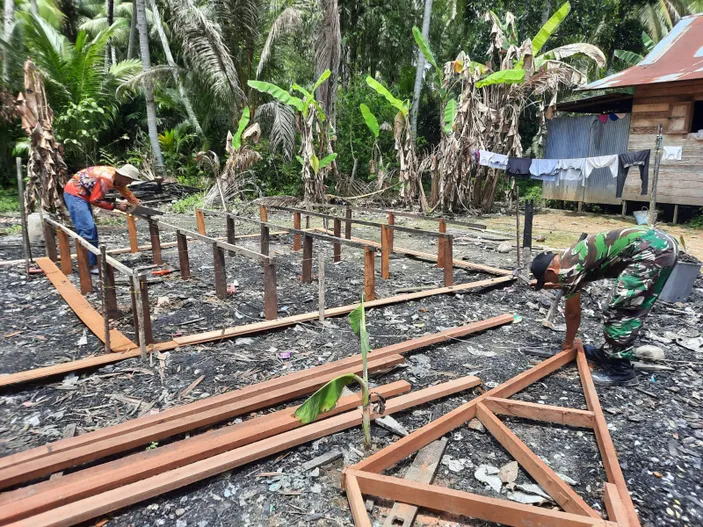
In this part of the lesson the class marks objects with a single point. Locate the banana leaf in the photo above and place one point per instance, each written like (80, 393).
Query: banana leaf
(382, 90)
(549, 28)
(370, 120)
(324, 399)
(449, 116)
(514, 76)
(278, 93)
(243, 122)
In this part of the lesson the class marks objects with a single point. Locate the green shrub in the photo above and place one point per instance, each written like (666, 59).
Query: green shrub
(9, 201)
(188, 204)
(696, 222)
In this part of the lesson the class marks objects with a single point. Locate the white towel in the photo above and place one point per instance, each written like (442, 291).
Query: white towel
(493, 160)
(609, 162)
(571, 169)
(672, 153)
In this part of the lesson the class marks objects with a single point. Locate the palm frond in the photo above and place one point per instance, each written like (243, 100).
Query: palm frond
(287, 22)
(279, 120)
(135, 78)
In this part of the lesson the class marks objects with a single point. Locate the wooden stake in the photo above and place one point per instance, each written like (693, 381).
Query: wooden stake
(220, 272)
(83, 269)
(296, 225)
(263, 214)
(103, 280)
(155, 243)
(386, 249)
(23, 216)
(321, 283)
(270, 295)
(146, 311)
(183, 259)
(391, 221)
(265, 239)
(517, 221)
(231, 236)
(65, 252)
(440, 243)
(307, 259)
(369, 274)
(50, 242)
(138, 315)
(448, 262)
(348, 224)
(337, 247)
(655, 179)
(200, 221)
(110, 292)
(132, 230)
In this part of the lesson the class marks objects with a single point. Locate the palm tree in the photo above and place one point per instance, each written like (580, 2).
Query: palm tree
(420, 71)
(659, 16)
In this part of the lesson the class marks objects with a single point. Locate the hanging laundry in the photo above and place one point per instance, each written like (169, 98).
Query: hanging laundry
(603, 118)
(571, 169)
(622, 115)
(544, 169)
(493, 160)
(475, 156)
(609, 162)
(519, 166)
(672, 153)
(640, 160)
(613, 117)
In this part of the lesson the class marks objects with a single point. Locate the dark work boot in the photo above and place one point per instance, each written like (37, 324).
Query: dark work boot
(619, 372)
(596, 355)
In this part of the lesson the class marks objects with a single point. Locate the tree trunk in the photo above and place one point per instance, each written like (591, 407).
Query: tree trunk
(33, 7)
(172, 63)
(8, 17)
(109, 51)
(132, 45)
(149, 87)
(420, 71)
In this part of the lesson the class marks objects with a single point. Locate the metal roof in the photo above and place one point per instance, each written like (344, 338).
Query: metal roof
(677, 57)
(608, 103)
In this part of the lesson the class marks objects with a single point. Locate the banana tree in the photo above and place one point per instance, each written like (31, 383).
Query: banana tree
(630, 58)
(411, 190)
(377, 168)
(315, 154)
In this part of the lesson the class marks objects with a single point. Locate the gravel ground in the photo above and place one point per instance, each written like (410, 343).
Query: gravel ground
(657, 427)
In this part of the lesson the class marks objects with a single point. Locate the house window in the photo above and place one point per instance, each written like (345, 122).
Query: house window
(697, 120)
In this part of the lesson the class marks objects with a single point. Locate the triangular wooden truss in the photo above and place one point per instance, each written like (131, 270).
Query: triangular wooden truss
(366, 478)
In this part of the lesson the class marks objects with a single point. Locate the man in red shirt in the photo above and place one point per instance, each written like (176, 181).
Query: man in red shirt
(89, 187)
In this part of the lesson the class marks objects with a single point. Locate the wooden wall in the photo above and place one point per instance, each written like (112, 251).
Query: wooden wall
(671, 104)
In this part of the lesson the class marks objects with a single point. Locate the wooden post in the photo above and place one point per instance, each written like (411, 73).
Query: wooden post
(270, 296)
(231, 233)
(337, 247)
(64, 252)
(265, 239)
(296, 225)
(50, 242)
(321, 283)
(155, 243)
(307, 259)
(23, 215)
(113, 310)
(440, 243)
(676, 214)
(386, 233)
(183, 260)
(448, 262)
(369, 276)
(517, 221)
(220, 273)
(146, 311)
(137, 315)
(200, 220)
(83, 269)
(391, 221)
(132, 230)
(527, 232)
(580, 207)
(103, 286)
(655, 180)
(623, 212)
(348, 224)
(263, 213)
(307, 222)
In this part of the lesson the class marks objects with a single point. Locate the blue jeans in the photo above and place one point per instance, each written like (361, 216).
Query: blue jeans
(82, 218)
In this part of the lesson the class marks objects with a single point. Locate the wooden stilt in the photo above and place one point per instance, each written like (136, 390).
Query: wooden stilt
(50, 242)
(113, 310)
(183, 259)
(155, 243)
(231, 236)
(348, 224)
(296, 225)
(83, 269)
(220, 272)
(134, 293)
(270, 295)
(65, 252)
(386, 234)
(307, 259)
(369, 274)
(448, 259)
(337, 247)
(440, 243)
(580, 206)
(265, 239)
(200, 221)
(146, 311)
(391, 221)
(676, 214)
(263, 213)
(132, 230)
(623, 213)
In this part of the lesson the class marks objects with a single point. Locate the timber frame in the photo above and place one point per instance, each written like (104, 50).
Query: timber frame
(365, 477)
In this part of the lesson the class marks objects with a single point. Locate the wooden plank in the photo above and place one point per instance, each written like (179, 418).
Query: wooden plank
(143, 435)
(542, 473)
(200, 221)
(652, 107)
(80, 306)
(369, 274)
(85, 280)
(68, 432)
(615, 507)
(90, 507)
(356, 502)
(307, 259)
(270, 295)
(132, 231)
(237, 331)
(467, 504)
(50, 242)
(421, 437)
(541, 412)
(422, 471)
(605, 442)
(155, 243)
(64, 252)
(40, 497)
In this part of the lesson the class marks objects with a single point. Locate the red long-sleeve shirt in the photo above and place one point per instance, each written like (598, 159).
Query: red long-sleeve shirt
(93, 183)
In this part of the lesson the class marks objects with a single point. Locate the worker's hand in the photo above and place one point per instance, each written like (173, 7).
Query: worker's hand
(122, 205)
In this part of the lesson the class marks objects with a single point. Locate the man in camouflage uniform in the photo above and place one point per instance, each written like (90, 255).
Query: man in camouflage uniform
(641, 260)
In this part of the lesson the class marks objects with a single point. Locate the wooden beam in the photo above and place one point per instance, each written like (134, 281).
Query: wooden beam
(270, 298)
(386, 249)
(369, 274)
(467, 504)
(86, 281)
(542, 473)
(155, 243)
(218, 255)
(64, 252)
(200, 221)
(100, 504)
(448, 261)
(146, 310)
(337, 247)
(541, 412)
(356, 502)
(296, 236)
(307, 259)
(50, 242)
(183, 259)
(616, 508)
(132, 231)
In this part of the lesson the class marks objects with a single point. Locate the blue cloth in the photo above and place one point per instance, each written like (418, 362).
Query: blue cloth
(544, 169)
(82, 218)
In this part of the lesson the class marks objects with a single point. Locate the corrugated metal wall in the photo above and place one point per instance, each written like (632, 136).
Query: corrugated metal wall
(585, 136)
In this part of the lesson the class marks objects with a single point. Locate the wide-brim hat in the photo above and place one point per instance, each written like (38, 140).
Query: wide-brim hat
(129, 171)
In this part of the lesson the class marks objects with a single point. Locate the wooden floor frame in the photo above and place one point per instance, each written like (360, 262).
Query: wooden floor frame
(365, 477)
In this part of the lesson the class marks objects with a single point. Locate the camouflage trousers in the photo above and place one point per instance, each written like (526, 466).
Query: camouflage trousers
(636, 290)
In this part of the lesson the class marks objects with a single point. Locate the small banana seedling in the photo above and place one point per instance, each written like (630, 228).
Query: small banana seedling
(326, 397)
